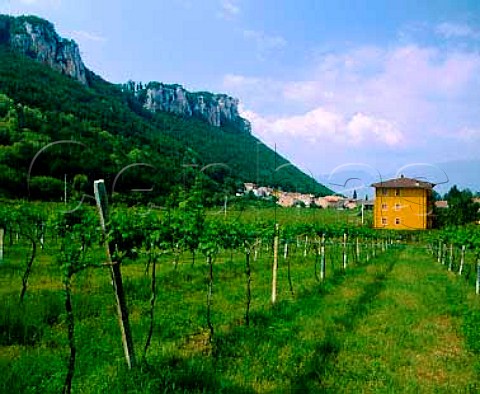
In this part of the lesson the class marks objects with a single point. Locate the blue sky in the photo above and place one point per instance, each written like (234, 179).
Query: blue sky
(385, 84)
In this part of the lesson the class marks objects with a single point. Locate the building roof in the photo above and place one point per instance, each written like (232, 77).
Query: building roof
(332, 198)
(404, 182)
(441, 204)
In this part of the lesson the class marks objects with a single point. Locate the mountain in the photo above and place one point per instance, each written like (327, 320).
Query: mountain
(59, 119)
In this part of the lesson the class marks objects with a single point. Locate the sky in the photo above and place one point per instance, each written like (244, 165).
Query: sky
(367, 86)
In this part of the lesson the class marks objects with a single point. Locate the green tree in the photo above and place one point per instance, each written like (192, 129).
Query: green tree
(461, 208)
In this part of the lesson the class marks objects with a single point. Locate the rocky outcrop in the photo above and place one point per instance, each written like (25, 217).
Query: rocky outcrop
(173, 98)
(37, 39)
(216, 109)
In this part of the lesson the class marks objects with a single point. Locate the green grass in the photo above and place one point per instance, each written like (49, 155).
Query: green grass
(285, 216)
(400, 323)
(410, 340)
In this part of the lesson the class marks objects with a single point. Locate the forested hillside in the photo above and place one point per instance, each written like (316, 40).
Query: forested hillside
(111, 129)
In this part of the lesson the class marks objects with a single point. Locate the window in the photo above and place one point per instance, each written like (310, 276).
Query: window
(397, 221)
(384, 191)
(397, 192)
(384, 207)
(384, 221)
(397, 207)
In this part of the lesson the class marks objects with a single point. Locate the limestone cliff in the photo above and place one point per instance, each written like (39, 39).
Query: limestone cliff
(216, 109)
(36, 38)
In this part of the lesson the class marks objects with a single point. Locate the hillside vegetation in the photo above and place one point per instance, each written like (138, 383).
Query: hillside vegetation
(38, 106)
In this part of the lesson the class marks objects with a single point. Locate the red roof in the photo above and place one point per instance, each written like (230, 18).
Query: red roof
(404, 182)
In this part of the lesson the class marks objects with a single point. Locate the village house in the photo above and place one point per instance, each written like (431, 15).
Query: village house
(261, 191)
(350, 204)
(249, 187)
(441, 204)
(403, 204)
(291, 199)
(333, 202)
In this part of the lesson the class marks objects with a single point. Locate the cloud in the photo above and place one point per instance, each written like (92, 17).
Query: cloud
(407, 72)
(322, 125)
(457, 30)
(364, 128)
(382, 104)
(408, 84)
(81, 35)
(229, 9)
(416, 101)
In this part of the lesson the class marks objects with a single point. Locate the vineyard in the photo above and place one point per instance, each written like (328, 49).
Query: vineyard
(459, 249)
(179, 299)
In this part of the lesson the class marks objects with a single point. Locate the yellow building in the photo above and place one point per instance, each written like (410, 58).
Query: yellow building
(403, 204)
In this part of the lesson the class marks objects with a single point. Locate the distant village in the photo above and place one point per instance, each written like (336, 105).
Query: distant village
(294, 199)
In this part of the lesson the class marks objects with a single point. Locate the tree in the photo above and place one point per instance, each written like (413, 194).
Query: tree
(46, 188)
(461, 208)
(436, 196)
(354, 194)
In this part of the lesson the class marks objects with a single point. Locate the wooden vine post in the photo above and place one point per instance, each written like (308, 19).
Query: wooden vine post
(462, 260)
(102, 204)
(275, 265)
(439, 252)
(2, 235)
(344, 251)
(477, 284)
(450, 258)
(42, 235)
(289, 268)
(322, 258)
(248, 275)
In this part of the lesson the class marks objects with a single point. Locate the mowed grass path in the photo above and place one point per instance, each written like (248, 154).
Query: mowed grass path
(392, 326)
(409, 336)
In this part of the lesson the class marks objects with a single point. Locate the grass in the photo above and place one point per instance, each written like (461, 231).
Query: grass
(401, 323)
(295, 215)
(410, 341)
